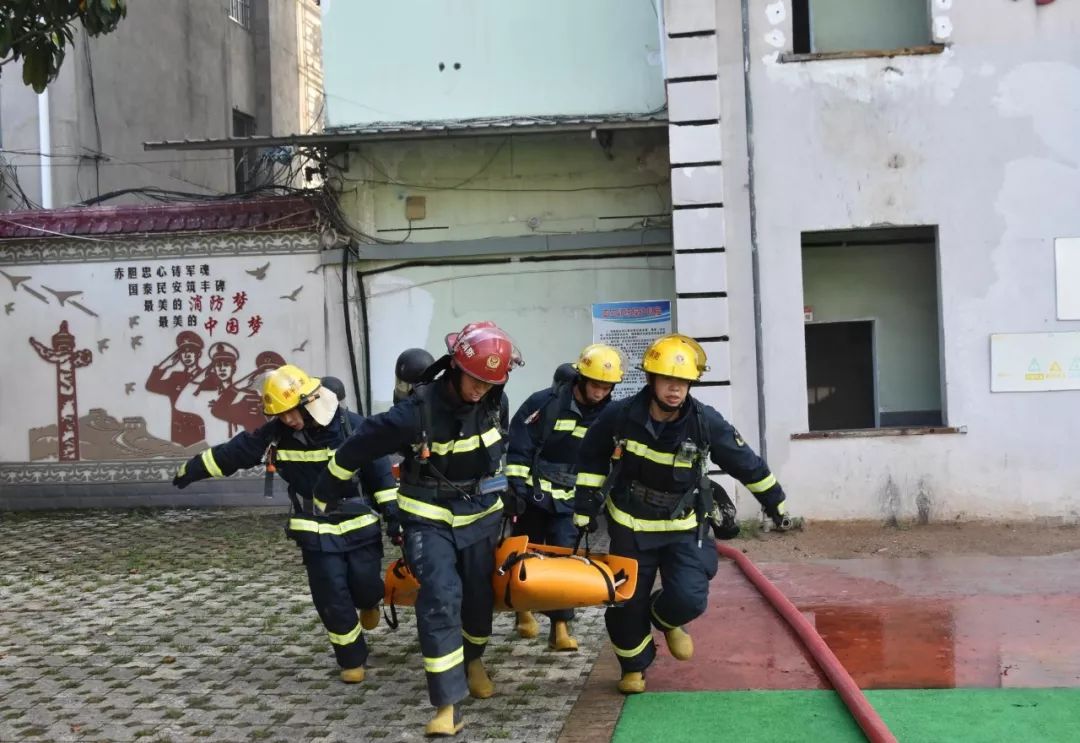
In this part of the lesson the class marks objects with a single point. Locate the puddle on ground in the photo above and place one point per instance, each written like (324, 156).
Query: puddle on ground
(901, 638)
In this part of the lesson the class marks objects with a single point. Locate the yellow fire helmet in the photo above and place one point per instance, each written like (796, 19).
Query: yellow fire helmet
(600, 363)
(675, 355)
(290, 386)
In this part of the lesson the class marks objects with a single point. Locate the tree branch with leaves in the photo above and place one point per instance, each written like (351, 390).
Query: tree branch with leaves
(39, 32)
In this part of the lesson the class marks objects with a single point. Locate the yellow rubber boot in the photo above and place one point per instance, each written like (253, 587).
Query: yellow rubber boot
(679, 643)
(527, 626)
(447, 721)
(560, 638)
(369, 618)
(352, 675)
(480, 686)
(632, 682)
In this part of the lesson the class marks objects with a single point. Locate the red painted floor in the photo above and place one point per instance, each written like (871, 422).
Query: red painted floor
(894, 624)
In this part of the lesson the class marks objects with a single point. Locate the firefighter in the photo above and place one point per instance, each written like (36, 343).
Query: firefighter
(564, 373)
(545, 435)
(645, 462)
(342, 552)
(450, 431)
(409, 367)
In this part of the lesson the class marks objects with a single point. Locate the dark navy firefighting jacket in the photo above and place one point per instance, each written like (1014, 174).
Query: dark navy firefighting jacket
(300, 458)
(546, 477)
(466, 444)
(649, 458)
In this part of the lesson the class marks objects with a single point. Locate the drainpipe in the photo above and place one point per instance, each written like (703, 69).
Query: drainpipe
(45, 149)
(755, 262)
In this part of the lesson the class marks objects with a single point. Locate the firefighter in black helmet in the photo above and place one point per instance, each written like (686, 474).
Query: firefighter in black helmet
(408, 368)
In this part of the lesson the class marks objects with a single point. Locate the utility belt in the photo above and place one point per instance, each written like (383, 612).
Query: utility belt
(661, 504)
(433, 489)
(561, 476)
(304, 506)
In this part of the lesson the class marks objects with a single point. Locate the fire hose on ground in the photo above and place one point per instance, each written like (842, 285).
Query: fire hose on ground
(865, 715)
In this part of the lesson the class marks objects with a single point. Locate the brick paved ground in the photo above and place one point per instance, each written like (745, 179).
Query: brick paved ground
(197, 625)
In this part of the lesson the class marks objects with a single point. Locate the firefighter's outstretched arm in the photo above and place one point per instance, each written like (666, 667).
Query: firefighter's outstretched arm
(374, 437)
(593, 468)
(734, 456)
(241, 452)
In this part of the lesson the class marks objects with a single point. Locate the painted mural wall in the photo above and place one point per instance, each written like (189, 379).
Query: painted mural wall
(124, 352)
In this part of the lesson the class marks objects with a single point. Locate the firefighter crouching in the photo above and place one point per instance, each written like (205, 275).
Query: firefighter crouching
(645, 461)
(545, 435)
(342, 551)
(450, 432)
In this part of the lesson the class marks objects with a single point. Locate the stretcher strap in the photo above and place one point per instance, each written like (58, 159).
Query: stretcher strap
(607, 581)
(399, 569)
(391, 618)
(516, 558)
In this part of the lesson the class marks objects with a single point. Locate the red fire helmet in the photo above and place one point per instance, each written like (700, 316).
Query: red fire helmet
(484, 351)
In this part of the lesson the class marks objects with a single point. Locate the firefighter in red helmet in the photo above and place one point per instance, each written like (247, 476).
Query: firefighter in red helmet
(451, 433)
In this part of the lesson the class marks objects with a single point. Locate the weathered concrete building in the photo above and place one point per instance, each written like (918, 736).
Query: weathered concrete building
(184, 68)
(883, 193)
(864, 210)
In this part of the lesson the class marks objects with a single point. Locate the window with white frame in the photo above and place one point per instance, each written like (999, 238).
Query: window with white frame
(240, 11)
(829, 26)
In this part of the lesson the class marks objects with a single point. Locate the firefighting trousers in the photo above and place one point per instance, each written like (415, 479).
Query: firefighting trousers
(685, 571)
(341, 583)
(454, 604)
(544, 527)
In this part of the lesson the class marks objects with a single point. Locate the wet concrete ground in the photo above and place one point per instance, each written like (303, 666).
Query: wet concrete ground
(894, 624)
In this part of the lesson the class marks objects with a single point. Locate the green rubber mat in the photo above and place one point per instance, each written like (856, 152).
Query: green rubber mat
(914, 716)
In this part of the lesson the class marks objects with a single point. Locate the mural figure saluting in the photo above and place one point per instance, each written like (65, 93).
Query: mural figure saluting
(176, 373)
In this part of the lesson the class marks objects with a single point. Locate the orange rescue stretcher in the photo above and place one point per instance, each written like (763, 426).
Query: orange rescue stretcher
(534, 577)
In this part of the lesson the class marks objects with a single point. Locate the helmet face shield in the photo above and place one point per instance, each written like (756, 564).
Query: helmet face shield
(321, 405)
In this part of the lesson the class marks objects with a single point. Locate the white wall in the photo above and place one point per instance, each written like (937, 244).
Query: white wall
(978, 140)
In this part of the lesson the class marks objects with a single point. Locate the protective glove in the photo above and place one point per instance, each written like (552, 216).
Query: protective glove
(586, 523)
(393, 524)
(182, 478)
(514, 502)
(778, 514)
(332, 491)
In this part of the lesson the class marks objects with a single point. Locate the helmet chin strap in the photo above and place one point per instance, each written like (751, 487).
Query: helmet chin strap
(580, 385)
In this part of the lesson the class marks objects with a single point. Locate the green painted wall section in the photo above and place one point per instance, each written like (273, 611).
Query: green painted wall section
(382, 59)
(897, 286)
(845, 25)
(546, 307)
(509, 186)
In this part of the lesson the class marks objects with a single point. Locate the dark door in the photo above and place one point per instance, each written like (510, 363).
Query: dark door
(840, 375)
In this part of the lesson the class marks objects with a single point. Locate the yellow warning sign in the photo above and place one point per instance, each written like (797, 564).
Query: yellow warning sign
(1055, 371)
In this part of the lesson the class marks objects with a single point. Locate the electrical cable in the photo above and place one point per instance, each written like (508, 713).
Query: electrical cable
(348, 326)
